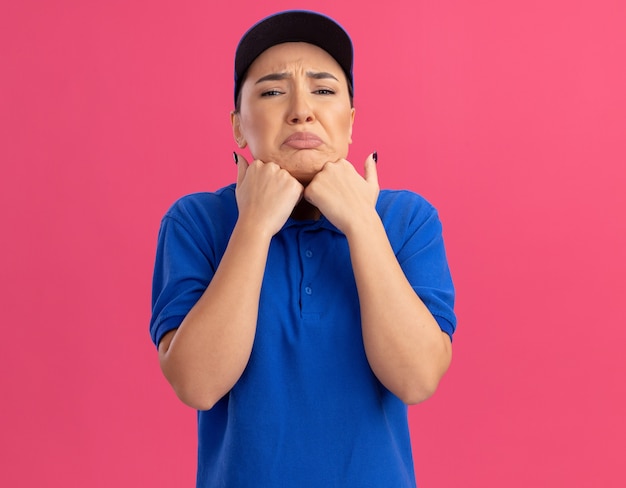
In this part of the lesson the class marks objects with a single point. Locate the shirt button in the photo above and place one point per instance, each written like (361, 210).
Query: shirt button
(308, 290)
(308, 253)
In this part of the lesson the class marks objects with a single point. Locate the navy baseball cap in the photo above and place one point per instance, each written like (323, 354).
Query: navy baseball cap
(294, 26)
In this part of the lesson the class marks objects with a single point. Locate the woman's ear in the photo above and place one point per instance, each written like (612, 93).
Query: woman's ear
(351, 124)
(237, 134)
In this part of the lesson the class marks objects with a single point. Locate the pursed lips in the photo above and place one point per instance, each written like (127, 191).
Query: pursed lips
(303, 140)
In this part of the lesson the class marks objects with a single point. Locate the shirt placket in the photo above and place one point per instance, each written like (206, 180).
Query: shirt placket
(310, 266)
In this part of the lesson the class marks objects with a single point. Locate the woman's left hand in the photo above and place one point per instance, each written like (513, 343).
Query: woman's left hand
(404, 345)
(342, 195)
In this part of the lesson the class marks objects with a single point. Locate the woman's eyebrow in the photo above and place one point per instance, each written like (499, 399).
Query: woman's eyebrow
(273, 77)
(316, 75)
(321, 75)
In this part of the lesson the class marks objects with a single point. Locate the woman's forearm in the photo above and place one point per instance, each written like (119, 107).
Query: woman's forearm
(405, 346)
(207, 354)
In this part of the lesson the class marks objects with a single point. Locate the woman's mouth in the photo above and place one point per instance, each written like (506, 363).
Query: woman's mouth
(303, 140)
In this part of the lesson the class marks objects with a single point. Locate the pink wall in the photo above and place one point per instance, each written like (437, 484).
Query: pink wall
(509, 116)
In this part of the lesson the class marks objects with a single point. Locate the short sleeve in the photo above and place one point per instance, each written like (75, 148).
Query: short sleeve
(416, 234)
(181, 274)
(192, 238)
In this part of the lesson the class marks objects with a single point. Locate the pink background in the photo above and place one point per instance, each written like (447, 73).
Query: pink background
(509, 116)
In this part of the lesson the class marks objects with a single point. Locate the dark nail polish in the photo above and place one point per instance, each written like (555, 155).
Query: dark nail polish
(375, 156)
(235, 157)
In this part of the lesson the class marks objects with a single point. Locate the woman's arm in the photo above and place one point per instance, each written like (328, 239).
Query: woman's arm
(207, 354)
(405, 346)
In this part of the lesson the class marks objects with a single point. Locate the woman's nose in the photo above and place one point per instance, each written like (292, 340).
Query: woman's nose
(300, 110)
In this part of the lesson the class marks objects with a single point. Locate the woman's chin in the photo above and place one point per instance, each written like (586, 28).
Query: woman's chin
(305, 166)
(305, 176)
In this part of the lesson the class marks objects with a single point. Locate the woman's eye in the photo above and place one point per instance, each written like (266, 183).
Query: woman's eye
(270, 93)
(324, 91)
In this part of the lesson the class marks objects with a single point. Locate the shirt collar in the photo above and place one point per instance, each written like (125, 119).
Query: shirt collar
(321, 223)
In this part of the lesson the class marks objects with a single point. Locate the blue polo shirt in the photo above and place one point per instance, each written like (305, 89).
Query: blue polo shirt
(307, 411)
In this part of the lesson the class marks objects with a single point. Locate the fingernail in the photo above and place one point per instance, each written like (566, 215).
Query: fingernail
(235, 157)
(375, 156)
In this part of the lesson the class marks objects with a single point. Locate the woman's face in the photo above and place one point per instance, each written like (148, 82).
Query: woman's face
(295, 109)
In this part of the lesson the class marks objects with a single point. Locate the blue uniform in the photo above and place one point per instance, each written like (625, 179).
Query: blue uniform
(307, 411)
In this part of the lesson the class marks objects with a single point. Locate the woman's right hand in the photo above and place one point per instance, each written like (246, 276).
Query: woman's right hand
(266, 194)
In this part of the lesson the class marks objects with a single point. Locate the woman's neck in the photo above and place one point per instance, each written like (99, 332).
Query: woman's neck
(305, 211)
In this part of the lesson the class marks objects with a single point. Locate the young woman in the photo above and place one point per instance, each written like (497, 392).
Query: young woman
(301, 309)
